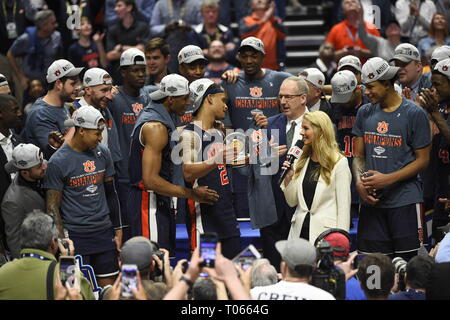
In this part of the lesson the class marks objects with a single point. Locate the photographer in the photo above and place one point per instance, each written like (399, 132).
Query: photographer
(298, 260)
(28, 278)
(417, 277)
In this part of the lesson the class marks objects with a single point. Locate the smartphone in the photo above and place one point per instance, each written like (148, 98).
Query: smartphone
(208, 244)
(67, 270)
(247, 256)
(129, 280)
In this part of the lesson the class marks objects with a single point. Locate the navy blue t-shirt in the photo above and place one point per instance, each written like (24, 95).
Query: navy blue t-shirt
(390, 139)
(246, 95)
(41, 120)
(84, 56)
(80, 176)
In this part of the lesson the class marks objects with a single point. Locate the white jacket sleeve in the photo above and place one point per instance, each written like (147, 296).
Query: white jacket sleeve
(343, 178)
(290, 192)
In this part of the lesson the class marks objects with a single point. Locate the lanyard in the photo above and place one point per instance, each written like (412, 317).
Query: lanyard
(34, 255)
(354, 38)
(14, 10)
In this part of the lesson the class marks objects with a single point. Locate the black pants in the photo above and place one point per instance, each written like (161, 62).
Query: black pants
(270, 235)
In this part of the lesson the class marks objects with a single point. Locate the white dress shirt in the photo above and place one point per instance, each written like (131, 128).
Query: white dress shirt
(297, 129)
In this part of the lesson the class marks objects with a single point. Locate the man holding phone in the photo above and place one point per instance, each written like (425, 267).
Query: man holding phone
(204, 159)
(26, 278)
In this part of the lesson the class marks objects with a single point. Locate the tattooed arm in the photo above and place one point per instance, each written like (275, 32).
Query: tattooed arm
(53, 204)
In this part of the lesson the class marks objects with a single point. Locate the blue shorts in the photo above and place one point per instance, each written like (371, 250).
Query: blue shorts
(390, 230)
(98, 250)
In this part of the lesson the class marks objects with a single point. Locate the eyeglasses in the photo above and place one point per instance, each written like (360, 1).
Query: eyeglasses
(288, 96)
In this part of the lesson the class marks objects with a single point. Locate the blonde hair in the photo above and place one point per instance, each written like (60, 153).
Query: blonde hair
(324, 145)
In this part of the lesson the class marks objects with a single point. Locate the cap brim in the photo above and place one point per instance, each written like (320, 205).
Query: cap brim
(69, 123)
(401, 58)
(195, 58)
(349, 65)
(74, 72)
(253, 47)
(390, 73)
(445, 228)
(341, 98)
(280, 246)
(10, 167)
(157, 95)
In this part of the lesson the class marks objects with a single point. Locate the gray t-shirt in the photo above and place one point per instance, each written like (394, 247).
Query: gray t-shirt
(246, 95)
(41, 120)
(80, 177)
(390, 139)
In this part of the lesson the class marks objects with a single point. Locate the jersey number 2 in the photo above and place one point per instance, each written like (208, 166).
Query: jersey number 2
(223, 174)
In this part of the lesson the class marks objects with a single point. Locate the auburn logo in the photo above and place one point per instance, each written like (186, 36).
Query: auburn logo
(137, 108)
(256, 92)
(89, 166)
(382, 127)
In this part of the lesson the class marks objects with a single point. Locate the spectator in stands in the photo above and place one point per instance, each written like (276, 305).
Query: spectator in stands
(241, 9)
(157, 56)
(168, 15)
(143, 13)
(39, 46)
(88, 51)
(437, 37)
(210, 30)
(315, 81)
(414, 17)
(344, 35)
(443, 6)
(138, 251)
(319, 183)
(4, 85)
(389, 190)
(263, 273)
(380, 287)
(217, 62)
(263, 25)
(126, 33)
(49, 113)
(325, 62)
(24, 194)
(378, 46)
(297, 265)
(35, 91)
(27, 278)
(410, 76)
(417, 279)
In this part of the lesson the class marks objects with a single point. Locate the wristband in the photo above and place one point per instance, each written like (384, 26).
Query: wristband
(189, 283)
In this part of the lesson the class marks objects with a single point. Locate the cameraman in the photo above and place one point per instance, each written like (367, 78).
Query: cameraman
(339, 241)
(417, 277)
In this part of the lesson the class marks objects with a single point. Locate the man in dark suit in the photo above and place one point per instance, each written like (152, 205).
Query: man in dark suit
(10, 118)
(286, 125)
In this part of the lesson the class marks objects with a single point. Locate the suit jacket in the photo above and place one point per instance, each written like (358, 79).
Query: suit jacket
(5, 181)
(278, 122)
(19, 200)
(331, 203)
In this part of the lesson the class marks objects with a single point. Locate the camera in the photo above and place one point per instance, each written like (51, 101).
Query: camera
(400, 268)
(157, 272)
(327, 276)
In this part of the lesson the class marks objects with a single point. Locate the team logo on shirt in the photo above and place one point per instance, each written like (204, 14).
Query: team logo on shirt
(256, 92)
(89, 166)
(382, 127)
(137, 108)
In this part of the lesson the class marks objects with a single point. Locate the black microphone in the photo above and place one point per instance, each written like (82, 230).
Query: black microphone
(293, 154)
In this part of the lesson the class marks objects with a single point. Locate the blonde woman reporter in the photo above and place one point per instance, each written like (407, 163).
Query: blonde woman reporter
(319, 183)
